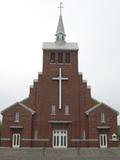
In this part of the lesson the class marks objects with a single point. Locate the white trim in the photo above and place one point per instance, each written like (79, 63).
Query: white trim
(27, 108)
(93, 108)
(98, 105)
(8, 107)
(60, 138)
(57, 46)
(16, 140)
(80, 140)
(114, 140)
(19, 127)
(22, 105)
(103, 140)
(40, 139)
(5, 139)
(103, 127)
(58, 122)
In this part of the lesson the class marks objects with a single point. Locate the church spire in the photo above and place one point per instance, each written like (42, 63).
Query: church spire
(60, 33)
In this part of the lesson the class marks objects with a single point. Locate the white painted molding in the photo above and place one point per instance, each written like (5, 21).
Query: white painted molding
(18, 127)
(84, 140)
(40, 139)
(5, 139)
(58, 122)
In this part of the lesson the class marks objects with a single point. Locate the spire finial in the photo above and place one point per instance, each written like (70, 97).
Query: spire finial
(61, 8)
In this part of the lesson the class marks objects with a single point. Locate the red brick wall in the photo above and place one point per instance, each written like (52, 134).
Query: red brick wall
(44, 94)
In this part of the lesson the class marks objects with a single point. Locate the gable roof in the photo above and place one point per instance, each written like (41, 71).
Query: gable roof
(22, 105)
(98, 105)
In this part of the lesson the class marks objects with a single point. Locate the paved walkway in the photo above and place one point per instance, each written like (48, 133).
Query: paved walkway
(59, 154)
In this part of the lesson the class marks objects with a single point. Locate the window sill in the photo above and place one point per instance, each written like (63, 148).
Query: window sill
(16, 121)
(67, 114)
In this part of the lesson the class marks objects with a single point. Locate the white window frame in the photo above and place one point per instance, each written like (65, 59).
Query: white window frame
(17, 117)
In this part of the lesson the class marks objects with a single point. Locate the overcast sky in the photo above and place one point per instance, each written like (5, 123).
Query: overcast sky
(26, 24)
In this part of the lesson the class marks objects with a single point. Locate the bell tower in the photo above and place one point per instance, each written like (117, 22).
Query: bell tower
(60, 54)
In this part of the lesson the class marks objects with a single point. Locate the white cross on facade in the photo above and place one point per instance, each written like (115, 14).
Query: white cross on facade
(60, 79)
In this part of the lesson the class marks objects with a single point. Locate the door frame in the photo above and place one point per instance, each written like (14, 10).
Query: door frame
(60, 133)
(103, 140)
(16, 140)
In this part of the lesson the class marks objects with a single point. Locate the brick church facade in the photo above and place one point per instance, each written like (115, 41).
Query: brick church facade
(59, 111)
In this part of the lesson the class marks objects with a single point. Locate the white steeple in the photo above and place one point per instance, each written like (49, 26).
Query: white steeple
(60, 43)
(60, 33)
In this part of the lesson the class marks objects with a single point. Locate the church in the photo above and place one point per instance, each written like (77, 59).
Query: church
(59, 111)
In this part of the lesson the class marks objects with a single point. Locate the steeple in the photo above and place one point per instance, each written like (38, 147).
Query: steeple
(60, 33)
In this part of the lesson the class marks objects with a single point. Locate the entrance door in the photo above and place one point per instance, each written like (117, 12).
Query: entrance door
(16, 140)
(59, 138)
(103, 140)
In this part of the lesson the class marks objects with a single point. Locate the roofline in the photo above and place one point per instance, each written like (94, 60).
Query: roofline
(60, 49)
(22, 105)
(27, 108)
(93, 108)
(24, 100)
(98, 105)
(8, 107)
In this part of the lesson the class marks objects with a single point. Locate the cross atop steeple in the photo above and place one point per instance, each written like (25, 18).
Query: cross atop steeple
(61, 8)
(60, 33)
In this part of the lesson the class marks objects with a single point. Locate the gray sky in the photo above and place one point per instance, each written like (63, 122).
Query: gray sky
(25, 24)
